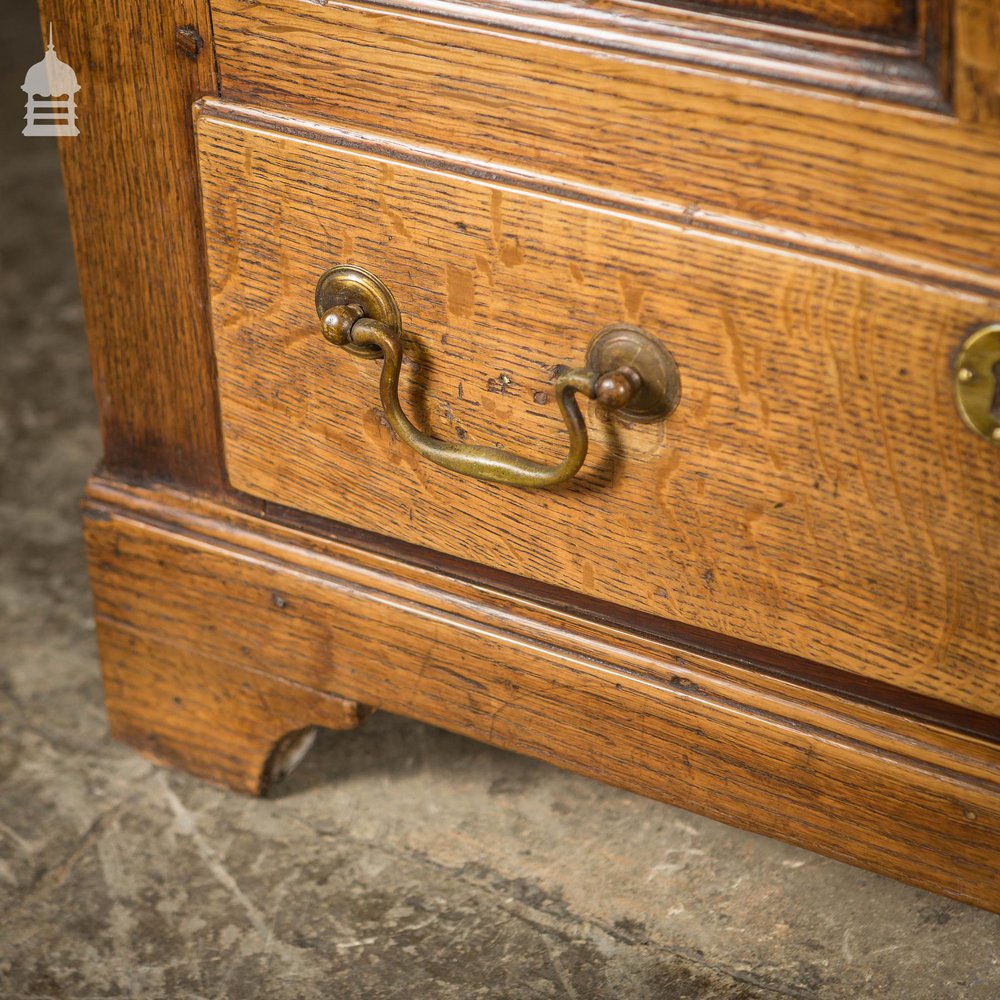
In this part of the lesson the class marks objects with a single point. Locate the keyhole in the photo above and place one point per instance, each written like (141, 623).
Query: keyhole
(995, 405)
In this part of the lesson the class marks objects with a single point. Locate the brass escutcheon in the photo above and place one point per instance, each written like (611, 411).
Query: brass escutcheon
(623, 346)
(977, 382)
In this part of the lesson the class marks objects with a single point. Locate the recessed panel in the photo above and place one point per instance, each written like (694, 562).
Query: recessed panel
(895, 17)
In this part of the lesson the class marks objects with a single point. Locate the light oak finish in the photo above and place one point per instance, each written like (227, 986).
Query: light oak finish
(896, 187)
(227, 723)
(977, 72)
(178, 581)
(859, 15)
(825, 175)
(911, 63)
(815, 491)
(132, 187)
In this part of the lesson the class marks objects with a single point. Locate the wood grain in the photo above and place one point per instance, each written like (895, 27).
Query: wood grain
(897, 66)
(815, 491)
(132, 186)
(228, 724)
(891, 185)
(524, 171)
(892, 16)
(977, 71)
(176, 577)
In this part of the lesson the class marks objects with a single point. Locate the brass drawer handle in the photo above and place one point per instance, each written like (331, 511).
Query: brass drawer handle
(626, 371)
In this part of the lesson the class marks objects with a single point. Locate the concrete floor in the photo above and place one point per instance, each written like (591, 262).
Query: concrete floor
(399, 861)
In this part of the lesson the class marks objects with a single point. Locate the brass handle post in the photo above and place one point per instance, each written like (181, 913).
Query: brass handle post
(357, 312)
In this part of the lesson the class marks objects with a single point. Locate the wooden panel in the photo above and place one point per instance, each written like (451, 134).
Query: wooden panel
(815, 491)
(132, 185)
(977, 70)
(897, 187)
(897, 64)
(893, 16)
(175, 577)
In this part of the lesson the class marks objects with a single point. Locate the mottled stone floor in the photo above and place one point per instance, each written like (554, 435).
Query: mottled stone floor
(399, 861)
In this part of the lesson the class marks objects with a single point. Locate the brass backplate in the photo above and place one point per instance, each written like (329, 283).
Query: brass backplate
(977, 382)
(348, 284)
(622, 346)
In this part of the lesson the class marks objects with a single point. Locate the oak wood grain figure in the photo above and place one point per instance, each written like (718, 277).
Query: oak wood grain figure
(977, 73)
(875, 15)
(234, 726)
(283, 621)
(778, 608)
(792, 500)
(132, 187)
(899, 186)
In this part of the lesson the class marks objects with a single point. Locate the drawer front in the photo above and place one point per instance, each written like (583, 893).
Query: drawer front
(814, 492)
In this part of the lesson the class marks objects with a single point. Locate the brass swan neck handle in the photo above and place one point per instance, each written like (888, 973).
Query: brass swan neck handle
(357, 312)
(491, 465)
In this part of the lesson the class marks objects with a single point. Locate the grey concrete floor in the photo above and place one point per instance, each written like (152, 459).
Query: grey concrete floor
(400, 860)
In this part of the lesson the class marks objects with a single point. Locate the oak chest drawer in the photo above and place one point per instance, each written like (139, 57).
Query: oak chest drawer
(814, 492)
